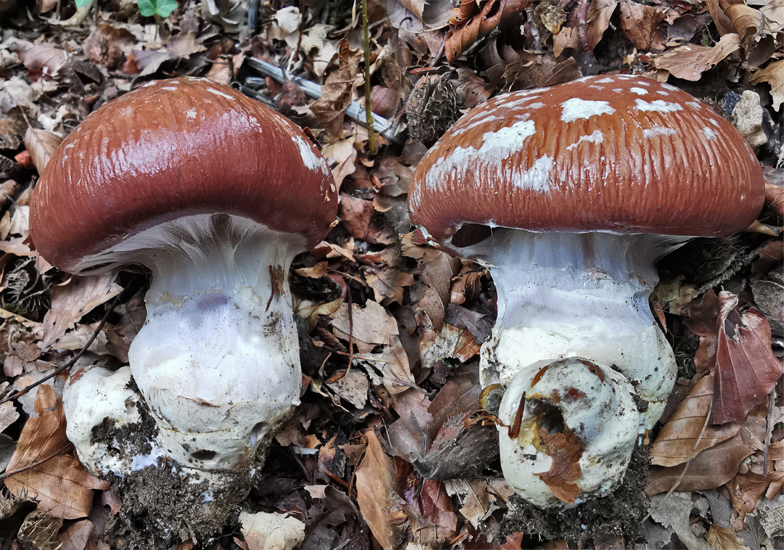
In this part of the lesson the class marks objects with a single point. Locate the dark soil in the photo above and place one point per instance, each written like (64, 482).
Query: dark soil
(618, 514)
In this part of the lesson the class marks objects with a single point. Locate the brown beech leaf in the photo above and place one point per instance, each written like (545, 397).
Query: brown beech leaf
(599, 14)
(723, 23)
(714, 466)
(702, 317)
(468, 29)
(746, 368)
(724, 538)
(376, 497)
(62, 487)
(747, 488)
(677, 439)
(43, 58)
(437, 507)
(41, 145)
(388, 284)
(773, 74)
(565, 449)
(689, 62)
(73, 299)
(105, 45)
(642, 24)
(77, 536)
(330, 109)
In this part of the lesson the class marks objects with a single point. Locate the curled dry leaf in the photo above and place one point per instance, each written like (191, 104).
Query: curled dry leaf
(263, 531)
(330, 109)
(773, 74)
(41, 145)
(377, 499)
(59, 483)
(565, 449)
(678, 439)
(689, 62)
(72, 300)
(747, 488)
(746, 369)
(642, 25)
(714, 466)
(468, 26)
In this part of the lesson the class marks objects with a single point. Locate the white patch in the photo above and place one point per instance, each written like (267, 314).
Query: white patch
(309, 158)
(190, 113)
(709, 133)
(662, 92)
(480, 120)
(576, 108)
(714, 122)
(639, 91)
(536, 105)
(218, 92)
(657, 131)
(497, 146)
(670, 87)
(618, 90)
(658, 106)
(596, 87)
(625, 76)
(606, 81)
(171, 88)
(517, 102)
(643, 82)
(536, 178)
(510, 138)
(596, 137)
(72, 144)
(150, 83)
(695, 104)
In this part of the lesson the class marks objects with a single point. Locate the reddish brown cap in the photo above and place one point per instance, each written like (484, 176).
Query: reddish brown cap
(174, 148)
(604, 153)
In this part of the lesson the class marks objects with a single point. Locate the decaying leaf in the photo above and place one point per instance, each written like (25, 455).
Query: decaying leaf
(471, 24)
(773, 74)
(330, 109)
(642, 24)
(689, 62)
(77, 536)
(565, 449)
(377, 499)
(263, 531)
(62, 487)
(724, 538)
(41, 145)
(70, 301)
(746, 368)
(678, 439)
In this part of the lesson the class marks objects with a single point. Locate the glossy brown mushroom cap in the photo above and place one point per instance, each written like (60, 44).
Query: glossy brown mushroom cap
(606, 153)
(174, 148)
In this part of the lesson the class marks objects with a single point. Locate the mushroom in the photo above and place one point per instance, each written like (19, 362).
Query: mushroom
(214, 194)
(568, 195)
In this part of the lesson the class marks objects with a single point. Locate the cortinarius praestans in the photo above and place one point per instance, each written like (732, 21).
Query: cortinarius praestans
(598, 178)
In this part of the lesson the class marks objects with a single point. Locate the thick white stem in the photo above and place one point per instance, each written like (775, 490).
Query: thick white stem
(217, 360)
(564, 295)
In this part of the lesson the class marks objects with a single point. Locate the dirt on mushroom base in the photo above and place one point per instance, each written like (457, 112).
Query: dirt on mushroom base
(618, 514)
(162, 504)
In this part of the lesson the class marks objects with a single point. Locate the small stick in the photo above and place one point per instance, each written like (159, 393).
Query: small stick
(368, 108)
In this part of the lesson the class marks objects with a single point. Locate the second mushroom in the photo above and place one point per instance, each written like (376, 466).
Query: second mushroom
(568, 195)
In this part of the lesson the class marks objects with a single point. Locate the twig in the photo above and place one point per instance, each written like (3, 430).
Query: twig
(59, 450)
(73, 361)
(368, 107)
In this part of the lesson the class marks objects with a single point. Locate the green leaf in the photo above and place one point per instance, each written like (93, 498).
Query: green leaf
(162, 8)
(82, 3)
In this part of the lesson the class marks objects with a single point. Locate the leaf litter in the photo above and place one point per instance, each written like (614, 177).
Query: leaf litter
(390, 432)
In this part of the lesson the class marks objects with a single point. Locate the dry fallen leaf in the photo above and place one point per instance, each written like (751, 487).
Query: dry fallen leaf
(41, 145)
(77, 536)
(107, 45)
(62, 487)
(642, 25)
(470, 24)
(773, 74)
(72, 300)
(565, 449)
(746, 369)
(677, 440)
(330, 109)
(377, 500)
(724, 538)
(689, 62)
(263, 531)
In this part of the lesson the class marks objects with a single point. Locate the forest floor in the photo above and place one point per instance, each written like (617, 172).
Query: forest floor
(397, 451)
